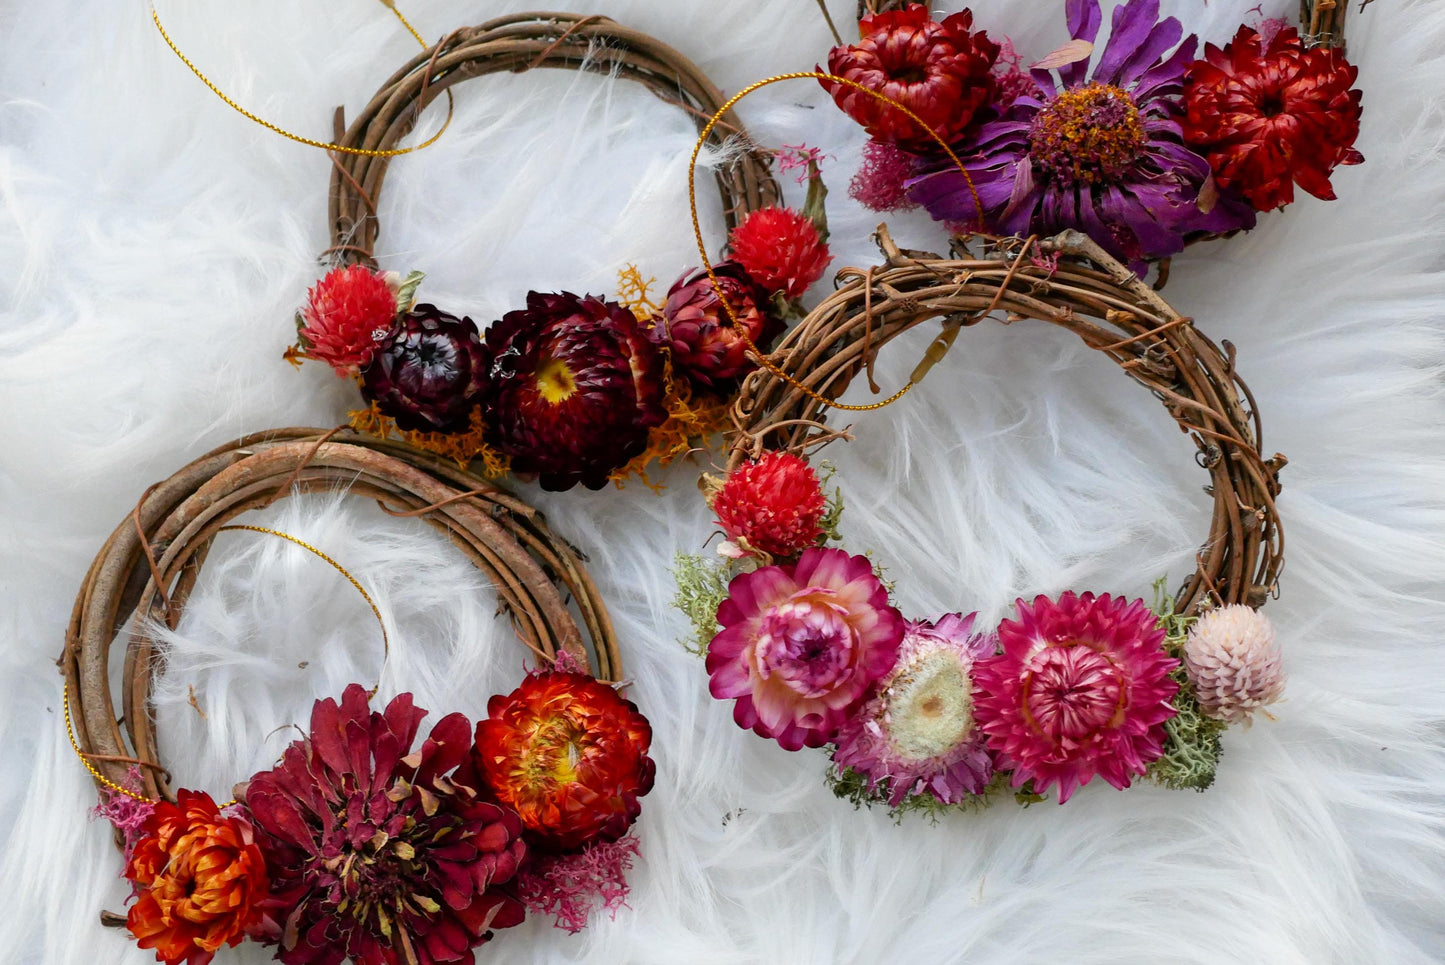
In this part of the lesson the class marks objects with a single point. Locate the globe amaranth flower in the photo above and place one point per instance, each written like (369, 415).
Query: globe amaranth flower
(781, 249)
(1081, 687)
(1272, 114)
(774, 505)
(706, 346)
(378, 853)
(200, 879)
(917, 734)
(569, 755)
(429, 373)
(576, 386)
(801, 644)
(1102, 152)
(1233, 662)
(347, 315)
(940, 70)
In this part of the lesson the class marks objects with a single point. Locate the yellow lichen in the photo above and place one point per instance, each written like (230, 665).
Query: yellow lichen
(467, 449)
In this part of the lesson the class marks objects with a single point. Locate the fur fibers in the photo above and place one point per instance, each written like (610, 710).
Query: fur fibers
(154, 246)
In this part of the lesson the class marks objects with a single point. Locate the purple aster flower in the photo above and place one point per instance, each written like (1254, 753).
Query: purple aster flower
(1100, 151)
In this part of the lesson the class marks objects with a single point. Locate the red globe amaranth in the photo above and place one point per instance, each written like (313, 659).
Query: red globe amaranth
(569, 755)
(576, 386)
(379, 853)
(706, 346)
(347, 315)
(940, 70)
(200, 880)
(775, 505)
(429, 374)
(1270, 115)
(781, 250)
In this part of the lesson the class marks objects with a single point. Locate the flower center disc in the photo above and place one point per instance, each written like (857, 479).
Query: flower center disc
(1072, 692)
(1088, 135)
(555, 381)
(930, 707)
(807, 644)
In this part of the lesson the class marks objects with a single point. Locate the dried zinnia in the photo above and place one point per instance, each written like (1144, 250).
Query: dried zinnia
(1101, 152)
(801, 644)
(200, 879)
(347, 314)
(569, 755)
(781, 249)
(917, 734)
(939, 70)
(576, 386)
(1233, 662)
(1272, 114)
(429, 374)
(705, 343)
(774, 505)
(1082, 687)
(379, 853)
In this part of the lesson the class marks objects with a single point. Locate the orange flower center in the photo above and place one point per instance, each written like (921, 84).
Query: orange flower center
(1088, 135)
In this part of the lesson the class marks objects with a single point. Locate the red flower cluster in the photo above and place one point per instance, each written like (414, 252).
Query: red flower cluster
(781, 249)
(773, 505)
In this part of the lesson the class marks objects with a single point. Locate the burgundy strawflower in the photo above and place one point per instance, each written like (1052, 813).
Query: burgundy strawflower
(347, 314)
(429, 374)
(576, 385)
(940, 70)
(773, 505)
(1270, 114)
(781, 249)
(705, 343)
(379, 853)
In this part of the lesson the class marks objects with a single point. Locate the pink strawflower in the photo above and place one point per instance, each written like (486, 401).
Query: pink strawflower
(773, 506)
(879, 184)
(801, 644)
(570, 886)
(917, 735)
(781, 249)
(347, 315)
(1082, 687)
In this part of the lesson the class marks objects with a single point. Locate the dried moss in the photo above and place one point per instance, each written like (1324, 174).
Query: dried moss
(702, 585)
(1192, 747)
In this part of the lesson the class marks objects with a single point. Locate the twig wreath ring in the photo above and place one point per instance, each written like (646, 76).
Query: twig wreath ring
(360, 843)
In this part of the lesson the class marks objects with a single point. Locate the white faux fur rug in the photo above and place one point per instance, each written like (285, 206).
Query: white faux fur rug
(154, 245)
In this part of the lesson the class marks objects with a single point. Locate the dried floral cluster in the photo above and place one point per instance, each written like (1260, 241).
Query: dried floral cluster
(570, 389)
(926, 714)
(359, 845)
(1145, 150)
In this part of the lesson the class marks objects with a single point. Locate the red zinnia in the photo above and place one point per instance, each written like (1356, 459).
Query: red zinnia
(781, 250)
(347, 314)
(776, 504)
(1270, 115)
(941, 71)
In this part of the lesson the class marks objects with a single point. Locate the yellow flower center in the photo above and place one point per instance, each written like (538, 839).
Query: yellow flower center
(555, 381)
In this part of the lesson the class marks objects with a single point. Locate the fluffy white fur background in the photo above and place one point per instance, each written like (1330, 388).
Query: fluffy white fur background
(154, 245)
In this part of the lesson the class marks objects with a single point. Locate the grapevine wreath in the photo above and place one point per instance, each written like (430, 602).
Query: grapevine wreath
(800, 633)
(361, 843)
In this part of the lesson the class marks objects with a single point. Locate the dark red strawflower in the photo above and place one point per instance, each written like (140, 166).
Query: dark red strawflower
(940, 70)
(576, 385)
(569, 755)
(347, 314)
(705, 343)
(781, 249)
(1272, 114)
(429, 374)
(774, 504)
(378, 853)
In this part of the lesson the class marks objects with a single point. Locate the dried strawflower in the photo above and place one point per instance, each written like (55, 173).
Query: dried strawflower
(200, 880)
(917, 734)
(781, 249)
(1082, 687)
(1272, 113)
(347, 314)
(707, 347)
(429, 373)
(1234, 663)
(774, 505)
(569, 755)
(801, 644)
(379, 853)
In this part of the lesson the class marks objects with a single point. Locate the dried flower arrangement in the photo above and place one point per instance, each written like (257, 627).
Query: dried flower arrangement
(362, 843)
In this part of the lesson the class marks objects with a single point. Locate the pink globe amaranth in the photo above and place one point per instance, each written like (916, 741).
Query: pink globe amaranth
(1081, 687)
(801, 644)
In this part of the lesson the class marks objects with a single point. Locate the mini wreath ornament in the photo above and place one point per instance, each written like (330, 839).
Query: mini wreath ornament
(362, 844)
(570, 389)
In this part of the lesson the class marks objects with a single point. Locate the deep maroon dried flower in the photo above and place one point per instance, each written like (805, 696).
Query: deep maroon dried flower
(706, 346)
(576, 385)
(430, 373)
(379, 853)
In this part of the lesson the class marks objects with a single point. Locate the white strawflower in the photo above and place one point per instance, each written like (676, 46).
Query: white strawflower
(1233, 662)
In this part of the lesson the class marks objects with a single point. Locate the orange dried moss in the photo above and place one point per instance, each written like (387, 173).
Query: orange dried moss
(466, 448)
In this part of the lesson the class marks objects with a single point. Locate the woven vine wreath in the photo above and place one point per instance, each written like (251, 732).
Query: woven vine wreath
(570, 389)
(360, 843)
(934, 714)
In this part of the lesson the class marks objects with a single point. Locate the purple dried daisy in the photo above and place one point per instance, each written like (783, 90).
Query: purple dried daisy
(917, 735)
(1099, 151)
